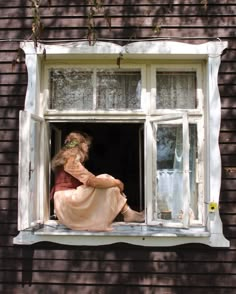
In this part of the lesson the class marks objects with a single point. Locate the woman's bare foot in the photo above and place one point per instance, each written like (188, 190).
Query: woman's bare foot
(131, 215)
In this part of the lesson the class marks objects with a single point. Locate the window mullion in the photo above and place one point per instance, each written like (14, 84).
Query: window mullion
(186, 171)
(150, 171)
(200, 169)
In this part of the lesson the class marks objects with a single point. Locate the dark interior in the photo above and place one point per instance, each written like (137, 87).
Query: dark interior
(115, 150)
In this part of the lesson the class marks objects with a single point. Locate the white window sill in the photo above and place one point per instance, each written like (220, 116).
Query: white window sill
(142, 235)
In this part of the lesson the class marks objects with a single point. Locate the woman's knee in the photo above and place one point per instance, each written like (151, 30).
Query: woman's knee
(105, 176)
(114, 190)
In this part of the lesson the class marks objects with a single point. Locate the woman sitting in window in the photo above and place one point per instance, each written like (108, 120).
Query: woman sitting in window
(83, 201)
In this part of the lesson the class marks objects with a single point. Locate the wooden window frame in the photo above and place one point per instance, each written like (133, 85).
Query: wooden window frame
(208, 54)
(192, 115)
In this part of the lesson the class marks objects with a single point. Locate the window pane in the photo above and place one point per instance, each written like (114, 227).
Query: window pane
(169, 203)
(118, 89)
(176, 90)
(193, 157)
(71, 89)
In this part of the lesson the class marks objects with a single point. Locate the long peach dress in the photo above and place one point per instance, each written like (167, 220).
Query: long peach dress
(87, 208)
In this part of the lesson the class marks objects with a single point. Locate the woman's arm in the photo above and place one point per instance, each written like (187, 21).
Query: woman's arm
(78, 171)
(98, 182)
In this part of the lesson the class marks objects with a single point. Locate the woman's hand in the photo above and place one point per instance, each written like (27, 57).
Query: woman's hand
(120, 185)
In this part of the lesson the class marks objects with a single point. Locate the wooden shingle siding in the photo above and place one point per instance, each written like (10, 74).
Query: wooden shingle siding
(51, 268)
(128, 19)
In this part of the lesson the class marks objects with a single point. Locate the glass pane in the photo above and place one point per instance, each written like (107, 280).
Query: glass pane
(118, 89)
(71, 89)
(169, 203)
(193, 156)
(176, 90)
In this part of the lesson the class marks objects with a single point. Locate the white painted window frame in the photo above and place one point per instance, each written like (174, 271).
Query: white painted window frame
(197, 68)
(209, 52)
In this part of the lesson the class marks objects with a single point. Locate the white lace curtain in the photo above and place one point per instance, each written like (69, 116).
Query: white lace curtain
(71, 89)
(176, 90)
(77, 89)
(170, 196)
(118, 90)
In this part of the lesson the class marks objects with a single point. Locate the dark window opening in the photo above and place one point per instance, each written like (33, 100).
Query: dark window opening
(117, 149)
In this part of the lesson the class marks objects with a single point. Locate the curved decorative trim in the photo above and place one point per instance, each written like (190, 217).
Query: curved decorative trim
(71, 48)
(169, 47)
(145, 47)
(96, 239)
(213, 151)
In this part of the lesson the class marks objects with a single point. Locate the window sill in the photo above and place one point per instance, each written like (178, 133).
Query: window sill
(142, 235)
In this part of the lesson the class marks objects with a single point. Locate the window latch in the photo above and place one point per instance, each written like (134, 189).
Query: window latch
(30, 170)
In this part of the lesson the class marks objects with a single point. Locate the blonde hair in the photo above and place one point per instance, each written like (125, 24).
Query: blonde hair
(72, 148)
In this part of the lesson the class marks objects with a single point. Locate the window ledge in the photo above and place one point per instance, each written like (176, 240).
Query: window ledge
(126, 233)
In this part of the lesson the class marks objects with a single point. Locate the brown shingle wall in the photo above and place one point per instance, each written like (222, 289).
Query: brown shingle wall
(50, 268)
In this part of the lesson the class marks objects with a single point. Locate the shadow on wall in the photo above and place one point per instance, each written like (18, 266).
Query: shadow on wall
(126, 268)
(12, 91)
(128, 21)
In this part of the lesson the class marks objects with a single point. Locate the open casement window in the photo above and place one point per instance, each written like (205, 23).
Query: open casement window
(178, 134)
(170, 205)
(33, 177)
(155, 122)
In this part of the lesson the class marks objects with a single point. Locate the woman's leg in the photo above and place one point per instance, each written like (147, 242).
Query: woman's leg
(131, 215)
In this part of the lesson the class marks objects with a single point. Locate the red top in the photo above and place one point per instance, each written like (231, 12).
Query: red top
(63, 181)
